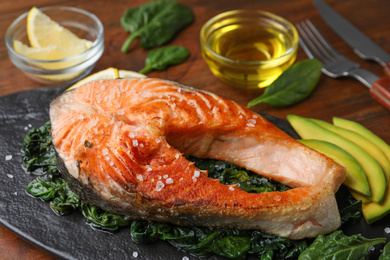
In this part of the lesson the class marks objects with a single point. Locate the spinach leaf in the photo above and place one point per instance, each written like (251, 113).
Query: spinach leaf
(386, 252)
(38, 151)
(204, 242)
(294, 85)
(155, 22)
(199, 241)
(39, 156)
(53, 188)
(146, 232)
(349, 208)
(231, 243)
(101, 219)
(269, 246)
(159, 59)
(65, 202)
(229, 173)
(339, 246)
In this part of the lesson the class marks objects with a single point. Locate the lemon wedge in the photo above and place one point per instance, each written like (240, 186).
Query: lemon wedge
(55, 55)
(130, 74)
(50, 53)
(110, 73)
(43, 32)
(51, 42)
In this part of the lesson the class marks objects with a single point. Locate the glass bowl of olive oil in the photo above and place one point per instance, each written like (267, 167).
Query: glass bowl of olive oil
(248, 48)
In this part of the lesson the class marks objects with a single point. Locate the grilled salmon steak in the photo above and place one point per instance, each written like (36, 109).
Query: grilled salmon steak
(122, 145)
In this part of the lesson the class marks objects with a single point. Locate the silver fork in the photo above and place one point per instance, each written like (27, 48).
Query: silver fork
(335, 65)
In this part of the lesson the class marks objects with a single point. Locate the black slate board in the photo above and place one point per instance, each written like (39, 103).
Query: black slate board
(69, 237)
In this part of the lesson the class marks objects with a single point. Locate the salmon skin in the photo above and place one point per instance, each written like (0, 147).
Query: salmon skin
(122, 145)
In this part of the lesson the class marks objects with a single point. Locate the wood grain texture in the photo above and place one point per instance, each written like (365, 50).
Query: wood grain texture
(344, 98)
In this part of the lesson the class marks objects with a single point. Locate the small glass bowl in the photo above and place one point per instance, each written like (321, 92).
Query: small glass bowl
(82, 23)
(248, 48)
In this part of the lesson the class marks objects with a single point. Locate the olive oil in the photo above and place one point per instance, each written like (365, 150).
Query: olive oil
(249, 53)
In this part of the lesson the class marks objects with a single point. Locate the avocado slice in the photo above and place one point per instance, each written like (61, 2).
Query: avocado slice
(363, 142)
(307, 129)
(359, 196)
(356, 177)
(374, 211)
(358, 128)
(371, 211)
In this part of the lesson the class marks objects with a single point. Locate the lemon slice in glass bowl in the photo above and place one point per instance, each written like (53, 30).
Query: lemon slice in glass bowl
(44, 32)
(56, 53)
(49, 53)
(52, 58)
(110, 73)
(62, 57)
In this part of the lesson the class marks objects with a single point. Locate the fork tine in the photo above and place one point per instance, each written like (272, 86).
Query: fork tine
(307, 44)
(334, 64)
(313, 45)
(324, 42)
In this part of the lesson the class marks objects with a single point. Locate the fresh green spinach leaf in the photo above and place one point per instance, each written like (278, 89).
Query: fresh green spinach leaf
(339, 246)
(386, 252)
(155, 22)
(294, 85)
(160, 59)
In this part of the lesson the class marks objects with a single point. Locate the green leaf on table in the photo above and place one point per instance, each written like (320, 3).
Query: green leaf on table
(294, 85)
(339, 246)
(155, 22)
(160, 59)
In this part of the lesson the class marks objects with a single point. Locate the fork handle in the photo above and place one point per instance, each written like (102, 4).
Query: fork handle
(380, 91)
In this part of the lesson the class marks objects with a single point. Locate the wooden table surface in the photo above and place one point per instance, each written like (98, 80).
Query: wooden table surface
(344, 98)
